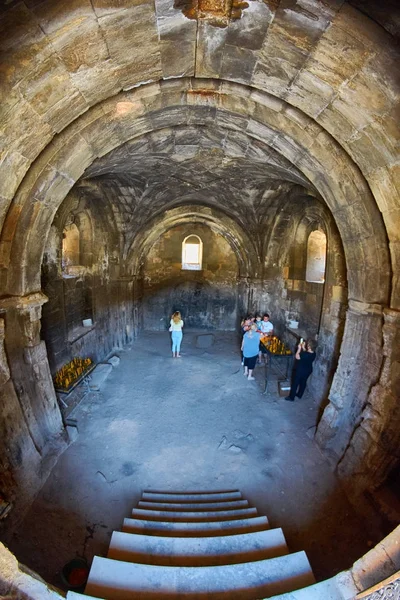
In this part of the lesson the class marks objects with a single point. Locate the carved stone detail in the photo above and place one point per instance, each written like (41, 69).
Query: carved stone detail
(388, 592)
(218, 13)
(28, 310)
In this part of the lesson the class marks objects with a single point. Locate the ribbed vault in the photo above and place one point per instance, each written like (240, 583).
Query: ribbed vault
(238, 238)
(327, 167)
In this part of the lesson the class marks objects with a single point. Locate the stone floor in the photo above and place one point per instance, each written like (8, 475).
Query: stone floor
(189, 424)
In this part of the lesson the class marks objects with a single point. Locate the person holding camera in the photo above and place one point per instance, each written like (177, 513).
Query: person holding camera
(305, 357)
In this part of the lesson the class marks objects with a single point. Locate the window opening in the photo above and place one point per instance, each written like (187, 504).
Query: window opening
(192, 253)
(70, 246)
(316, 257)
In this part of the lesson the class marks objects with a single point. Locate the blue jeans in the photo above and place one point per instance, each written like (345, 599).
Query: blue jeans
(176, 341)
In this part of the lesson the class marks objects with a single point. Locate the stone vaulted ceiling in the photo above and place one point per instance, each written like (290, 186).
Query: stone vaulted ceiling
(232, 103)
(192, 165)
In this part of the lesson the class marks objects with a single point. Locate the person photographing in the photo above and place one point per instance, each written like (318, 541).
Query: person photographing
(305, 357)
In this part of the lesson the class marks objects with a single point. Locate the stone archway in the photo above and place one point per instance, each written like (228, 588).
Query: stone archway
(327, 120)
(204, 103)
(211, 291)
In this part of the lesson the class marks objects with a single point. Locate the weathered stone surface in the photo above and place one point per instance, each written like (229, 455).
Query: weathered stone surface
(205, 340)
(114, 361)
(238, 64)
(338, 55)
(104, 77)
(131, 39)
(72, 432)
(177, 60)
(98, 376)
(18, 583)
(51, 100)
(378, 564)
(12, 169)
(350, 387)
(4, 368)
(250, 30)
(311, 120)
(209, 49)
(374, 447)
(17, 132)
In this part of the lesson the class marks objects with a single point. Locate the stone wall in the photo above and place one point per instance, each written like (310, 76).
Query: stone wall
(92, 290)
(207, 299)
(320, 309)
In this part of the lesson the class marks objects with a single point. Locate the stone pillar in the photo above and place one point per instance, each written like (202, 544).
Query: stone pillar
(358, 370)
(123, 316)
(374, 448)
(137, 309)
(330, 335)
(6, 455)
(29, 367)
(31, 428)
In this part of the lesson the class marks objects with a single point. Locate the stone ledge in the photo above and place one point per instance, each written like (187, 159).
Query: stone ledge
(78, 333)
(23, 302)
(365, 308)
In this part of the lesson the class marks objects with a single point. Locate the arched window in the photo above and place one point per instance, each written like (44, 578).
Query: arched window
(77, 243)
(316, 257)
(70, 246)
(192, 253)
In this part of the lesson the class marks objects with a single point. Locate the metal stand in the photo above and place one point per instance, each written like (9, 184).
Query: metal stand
(76, 382)
(277, 358)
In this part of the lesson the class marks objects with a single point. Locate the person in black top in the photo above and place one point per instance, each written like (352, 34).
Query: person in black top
(305, 357)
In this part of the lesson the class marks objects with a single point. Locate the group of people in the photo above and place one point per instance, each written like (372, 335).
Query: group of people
(254, 328)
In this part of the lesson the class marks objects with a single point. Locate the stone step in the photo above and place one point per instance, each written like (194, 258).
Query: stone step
(330, 589)
(119, 580)
(197, 552)
(98, 376)
(340, 587)
(221, 515)
(201, 529)
(78, 596)
(199, 506)
(160, 496)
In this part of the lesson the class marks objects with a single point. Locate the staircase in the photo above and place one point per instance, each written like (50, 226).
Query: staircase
(196, 545)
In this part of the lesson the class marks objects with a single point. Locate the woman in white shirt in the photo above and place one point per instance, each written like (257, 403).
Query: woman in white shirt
(176, 325)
